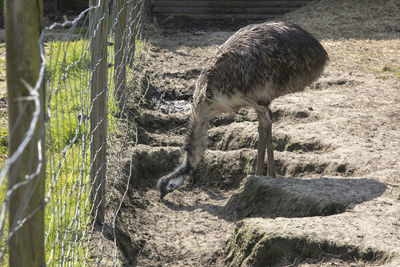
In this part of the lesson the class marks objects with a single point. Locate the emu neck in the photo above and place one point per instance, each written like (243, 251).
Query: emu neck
(196, 138)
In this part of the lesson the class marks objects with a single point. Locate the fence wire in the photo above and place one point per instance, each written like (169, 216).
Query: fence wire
(73, 235)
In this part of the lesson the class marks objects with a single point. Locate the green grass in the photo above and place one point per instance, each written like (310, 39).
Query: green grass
(68, 143)
(67, 214)
(68, 60)
(3, 115)
(82, 30)
(387, 72)
(3, 143)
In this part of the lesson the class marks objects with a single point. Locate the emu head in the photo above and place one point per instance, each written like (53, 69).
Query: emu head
(175, 179)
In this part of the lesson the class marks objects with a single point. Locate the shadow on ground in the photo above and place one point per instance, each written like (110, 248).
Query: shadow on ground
(268, 197)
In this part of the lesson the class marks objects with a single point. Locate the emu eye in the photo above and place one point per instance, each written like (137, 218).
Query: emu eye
(170, 186)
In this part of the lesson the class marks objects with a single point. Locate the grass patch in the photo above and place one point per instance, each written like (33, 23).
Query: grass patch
(68, 59)
(68, 223)
(67, 214)
(83, 30)
(377, 57)
(68, 72)
(3, 144)
(387, 72)
(68, 181)
(3, 71)
(68, 219)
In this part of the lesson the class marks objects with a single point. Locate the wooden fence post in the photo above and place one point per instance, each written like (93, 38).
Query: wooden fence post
(133, 22)
(120, 11)
(23, 23)
(99, 108)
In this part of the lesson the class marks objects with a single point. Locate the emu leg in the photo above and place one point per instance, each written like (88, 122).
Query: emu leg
(265, 142)
(270, 147)
(262, 144)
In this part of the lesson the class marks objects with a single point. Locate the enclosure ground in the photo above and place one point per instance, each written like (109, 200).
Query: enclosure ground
(337, 199)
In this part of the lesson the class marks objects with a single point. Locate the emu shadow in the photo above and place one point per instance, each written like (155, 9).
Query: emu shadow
(291, 197)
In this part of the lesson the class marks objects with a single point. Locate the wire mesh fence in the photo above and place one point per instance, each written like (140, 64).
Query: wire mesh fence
(88, 72)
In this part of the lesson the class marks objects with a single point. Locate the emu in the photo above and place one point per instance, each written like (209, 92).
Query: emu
(257, 64)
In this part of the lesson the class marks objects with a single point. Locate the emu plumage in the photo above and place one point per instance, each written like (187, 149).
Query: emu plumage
(257, 64)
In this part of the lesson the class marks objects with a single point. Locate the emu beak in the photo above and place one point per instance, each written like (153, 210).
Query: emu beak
(163, 194)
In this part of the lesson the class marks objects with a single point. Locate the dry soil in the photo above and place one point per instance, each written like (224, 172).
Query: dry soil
(336, 201)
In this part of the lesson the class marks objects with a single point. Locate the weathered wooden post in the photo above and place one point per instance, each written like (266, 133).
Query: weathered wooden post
(23, 23)
(120, 9)
(99, 107)
(134, 11)
(146, 10)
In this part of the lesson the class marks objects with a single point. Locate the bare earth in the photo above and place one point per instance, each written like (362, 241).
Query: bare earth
(337, 199)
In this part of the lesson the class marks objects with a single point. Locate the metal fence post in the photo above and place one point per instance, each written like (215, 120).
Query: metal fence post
(98, 113)
(26, 176)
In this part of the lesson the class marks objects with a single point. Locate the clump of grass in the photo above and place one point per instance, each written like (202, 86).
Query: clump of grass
(395, 70)
(387, 72)
(2, 66)
(83, 30)
(3, 143)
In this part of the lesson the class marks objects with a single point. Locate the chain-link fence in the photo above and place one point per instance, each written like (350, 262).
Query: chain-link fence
(64, 158)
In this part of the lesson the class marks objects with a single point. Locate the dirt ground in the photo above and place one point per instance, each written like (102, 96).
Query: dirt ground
(336, 201)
